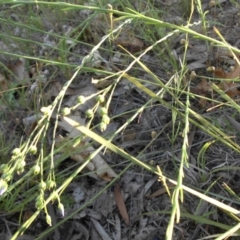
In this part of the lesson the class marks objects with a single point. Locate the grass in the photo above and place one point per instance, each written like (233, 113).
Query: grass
(31, 164)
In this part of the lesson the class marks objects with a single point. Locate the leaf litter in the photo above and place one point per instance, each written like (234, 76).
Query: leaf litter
(142, 193)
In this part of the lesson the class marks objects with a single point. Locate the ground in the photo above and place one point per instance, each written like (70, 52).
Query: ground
(162, 91)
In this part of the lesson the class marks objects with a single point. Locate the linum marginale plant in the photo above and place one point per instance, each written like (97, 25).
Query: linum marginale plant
(100, 107)
(33, 176)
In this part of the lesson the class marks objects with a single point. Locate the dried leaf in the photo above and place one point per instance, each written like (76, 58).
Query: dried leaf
(127, 40)
(18, 71)
(230, 88)
(27, 215)
(31, 123)
(231, 75)
(31, 119)
(128, 135)
(97, 164)
(161, 191)
(105, 204)
(79, 230)
(57, 87)
(79, 157)
(202, 89)
(73, 132)
(148, 185)
(89, 92)
(117, 227)
(3, 84)
(234, 123)
(94, 60)
(195, 65)
(102, 83)
(121, 204)
(101, 24)
(100, 230)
